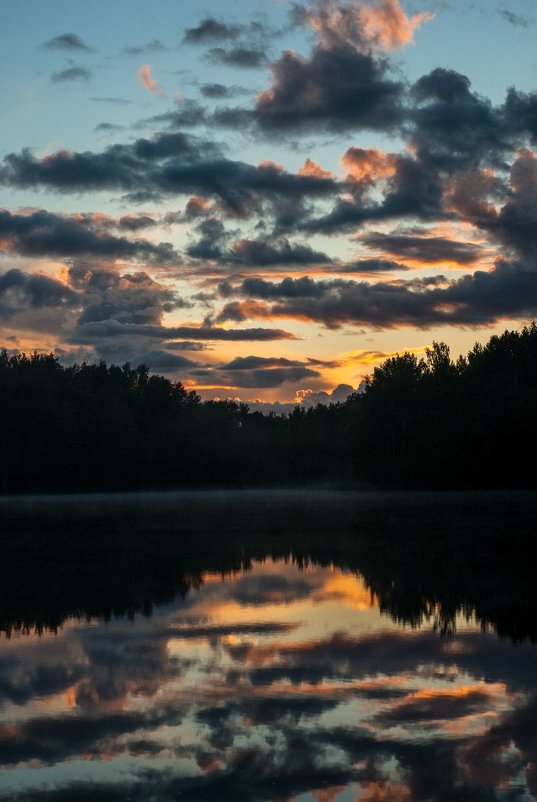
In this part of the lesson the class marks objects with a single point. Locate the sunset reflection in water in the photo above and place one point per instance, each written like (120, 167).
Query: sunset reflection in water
(278, 682)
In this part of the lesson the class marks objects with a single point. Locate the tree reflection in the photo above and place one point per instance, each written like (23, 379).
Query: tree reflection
(424, 559)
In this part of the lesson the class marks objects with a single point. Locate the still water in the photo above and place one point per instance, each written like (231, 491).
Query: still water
(314, 648)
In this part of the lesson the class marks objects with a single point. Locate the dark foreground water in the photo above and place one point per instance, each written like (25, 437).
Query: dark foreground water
(321, 647)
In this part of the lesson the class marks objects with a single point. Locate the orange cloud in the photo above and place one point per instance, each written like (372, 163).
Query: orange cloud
(313, 169)
(368, 164)
(144, 76)
(386, 26)
(382, 25)
(267, 164)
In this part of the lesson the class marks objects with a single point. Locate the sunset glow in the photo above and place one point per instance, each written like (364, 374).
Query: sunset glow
(274, 183)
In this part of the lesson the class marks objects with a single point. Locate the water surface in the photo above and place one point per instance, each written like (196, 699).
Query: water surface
(332, 647)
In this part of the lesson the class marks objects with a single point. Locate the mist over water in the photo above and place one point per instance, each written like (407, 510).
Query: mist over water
(320, 647)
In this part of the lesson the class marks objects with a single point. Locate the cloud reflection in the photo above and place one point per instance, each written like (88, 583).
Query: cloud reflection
(318, 696)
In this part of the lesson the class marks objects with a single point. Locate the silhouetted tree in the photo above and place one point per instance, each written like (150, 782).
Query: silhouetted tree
(419, 423)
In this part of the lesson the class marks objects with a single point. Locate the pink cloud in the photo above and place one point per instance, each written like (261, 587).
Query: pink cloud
(144, 76)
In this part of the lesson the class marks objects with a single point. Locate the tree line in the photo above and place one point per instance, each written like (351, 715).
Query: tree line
(420, 422)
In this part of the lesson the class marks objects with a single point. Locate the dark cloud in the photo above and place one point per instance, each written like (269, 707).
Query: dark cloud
(339, 394)
(441, 84)
(42, 233)
(370, 266)
(267, 254)
(219, 91)
(416, 189)
(476, 196)
(163, 361)
(271, 373)
(70, 74)
(243, 57)
(455, 128)
(20, 683)
(211, 30)
(166, 164)
(108, 127)
(89, 332)
(154, 46)
(515, 225)
(19, 290)
(66, 41)
(304, 287)
(212, 240)
(507, 291)
(129, 298)
(115, 101)
(135, 222)
(424, 248)
(185, 114)
(520, 110)
(252, 362)
(514, 19)
(336, 89)
(213, 244)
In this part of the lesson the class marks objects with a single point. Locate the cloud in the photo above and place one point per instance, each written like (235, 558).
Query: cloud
(66, 41)
(168, 163)
(217, 91)
(70, 74)
(343, 84)
(115, 101)
(366, 266)
(184, 345)
(433, 706)
(154, 46)
(108, 127)
(310, 398)
(426, 249)
(367, 165)
(381, 25)
(456, 128)
(287, 288)
(515, 225)
(210, 30)
(267, 254)
(163, 361)
(20, 291)
(118, 315)
(516, 20)
(185, 113)
(128, 298)
(213, 244)
(483, 298)
(415, 190)
(254, 362)
(386, 26)
(258, 372)
(335, 89)
(312, 168)
(144, 77)
(87, 333)
(42, 233)
(243, 57)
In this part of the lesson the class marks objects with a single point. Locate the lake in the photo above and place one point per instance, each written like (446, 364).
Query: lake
(304, 646)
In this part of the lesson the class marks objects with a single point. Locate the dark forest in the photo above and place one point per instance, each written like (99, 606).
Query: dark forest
(419, 423)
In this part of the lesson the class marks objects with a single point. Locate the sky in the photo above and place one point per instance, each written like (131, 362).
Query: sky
(264, 199)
